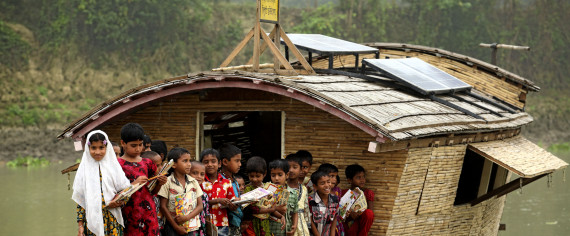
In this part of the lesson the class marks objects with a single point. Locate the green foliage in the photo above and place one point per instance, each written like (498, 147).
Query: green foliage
(560, 148)
(26, 115)
(14, 51)
(28, 161)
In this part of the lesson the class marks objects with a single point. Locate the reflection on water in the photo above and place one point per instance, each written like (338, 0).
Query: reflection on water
(35, 201)
(539, 210)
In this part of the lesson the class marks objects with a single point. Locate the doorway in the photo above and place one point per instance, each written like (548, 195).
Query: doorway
(256, 133)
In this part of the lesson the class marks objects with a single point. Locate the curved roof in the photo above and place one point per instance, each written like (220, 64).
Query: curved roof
(381, 109)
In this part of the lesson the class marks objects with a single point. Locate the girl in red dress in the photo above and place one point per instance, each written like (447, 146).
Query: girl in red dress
(140, 210)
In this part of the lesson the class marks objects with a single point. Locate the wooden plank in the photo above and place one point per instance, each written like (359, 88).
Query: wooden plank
(256, 43)
(507, 188)
(238, 48)
(275, 50)
(263, 47)
(277, 43)
(485, 177)
(296, 52)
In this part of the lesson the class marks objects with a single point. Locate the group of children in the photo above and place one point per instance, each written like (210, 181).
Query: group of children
(299, 204)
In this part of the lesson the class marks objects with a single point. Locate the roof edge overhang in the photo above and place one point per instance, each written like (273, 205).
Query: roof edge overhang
(520, 156)
(493, 69)
(137, 97)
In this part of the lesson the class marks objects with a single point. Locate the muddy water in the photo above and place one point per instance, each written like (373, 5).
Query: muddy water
(539, 209)
(35, 201)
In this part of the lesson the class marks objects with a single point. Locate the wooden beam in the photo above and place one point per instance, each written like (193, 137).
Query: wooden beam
(507, 188)
(485, 177)
(296, 52)
(238, 48)
(262, 49)
(256, 45)
(277, 43)
(274, 50)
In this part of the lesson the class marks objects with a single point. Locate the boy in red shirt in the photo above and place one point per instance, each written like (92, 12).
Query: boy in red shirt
(219, 190)
(359, 223)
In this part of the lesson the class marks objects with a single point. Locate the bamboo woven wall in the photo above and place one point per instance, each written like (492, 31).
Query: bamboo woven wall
(327, 137)
(424, 203)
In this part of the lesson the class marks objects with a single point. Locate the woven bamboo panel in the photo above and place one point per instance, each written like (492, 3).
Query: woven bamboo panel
(521, 156)
(327, 137)
(424, 203)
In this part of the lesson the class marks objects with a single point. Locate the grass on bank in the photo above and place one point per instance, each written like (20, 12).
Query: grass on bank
(28, 161)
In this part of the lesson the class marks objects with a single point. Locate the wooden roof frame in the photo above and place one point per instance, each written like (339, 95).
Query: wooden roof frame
(273, 43)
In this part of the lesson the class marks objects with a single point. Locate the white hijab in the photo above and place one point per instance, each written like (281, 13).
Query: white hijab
(87, 185)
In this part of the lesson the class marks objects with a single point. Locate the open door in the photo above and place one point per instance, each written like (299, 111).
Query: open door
(256, 133)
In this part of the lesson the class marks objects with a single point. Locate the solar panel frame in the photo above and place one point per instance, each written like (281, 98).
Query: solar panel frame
(325, 45)
(418, 75)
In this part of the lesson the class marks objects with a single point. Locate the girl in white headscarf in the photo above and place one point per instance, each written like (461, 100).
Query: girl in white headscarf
(98, 179)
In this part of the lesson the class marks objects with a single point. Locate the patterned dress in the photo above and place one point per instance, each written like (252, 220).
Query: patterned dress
(110, 224)
(282, 199)
(256, 225)
(140, 212)
(304, 223)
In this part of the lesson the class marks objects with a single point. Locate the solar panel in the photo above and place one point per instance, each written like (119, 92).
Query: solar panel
(419, 75)
(323, 44)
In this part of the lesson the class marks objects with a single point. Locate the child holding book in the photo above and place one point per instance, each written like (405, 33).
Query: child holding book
(278, 224)
(359, 222)
(219, 190)
(181, 197)
(197, 171)
(140, 210)
(300, 228)
(99, 177)
(256, 215)
(231, 163)
(323, 206)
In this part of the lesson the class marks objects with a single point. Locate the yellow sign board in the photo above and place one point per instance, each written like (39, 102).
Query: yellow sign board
(269, 11)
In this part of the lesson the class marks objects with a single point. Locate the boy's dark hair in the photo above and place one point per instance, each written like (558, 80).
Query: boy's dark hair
(175, 154)
(279, 164)
(238, 177)
(149, 154)
(318, 175)
(195, 162)
(146, 140)
(97, 137)
(305, 156)
(293, 157)
(209, 151)
(256, 164)
(228, 150)
(352, 170)
(114, 144)
(132, 132)
(159, 146)
(328, 168)
(337, 180)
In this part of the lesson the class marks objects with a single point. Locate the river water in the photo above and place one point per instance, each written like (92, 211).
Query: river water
(36, 201)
